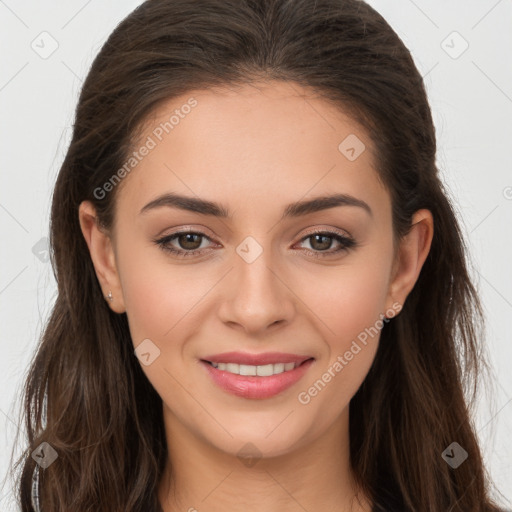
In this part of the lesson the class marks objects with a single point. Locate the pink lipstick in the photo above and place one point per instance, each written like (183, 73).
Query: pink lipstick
(256, 376)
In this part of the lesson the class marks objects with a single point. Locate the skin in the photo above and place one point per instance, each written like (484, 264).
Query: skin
(255, 149)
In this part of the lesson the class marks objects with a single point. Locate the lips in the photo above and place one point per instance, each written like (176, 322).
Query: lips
(260, 386)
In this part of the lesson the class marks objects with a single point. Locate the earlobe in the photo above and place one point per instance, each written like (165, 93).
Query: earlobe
(102, 256)
(411, 255)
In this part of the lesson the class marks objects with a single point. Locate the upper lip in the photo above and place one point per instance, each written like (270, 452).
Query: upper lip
(256, 359)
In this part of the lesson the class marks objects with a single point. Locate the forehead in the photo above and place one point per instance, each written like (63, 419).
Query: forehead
(273, 141)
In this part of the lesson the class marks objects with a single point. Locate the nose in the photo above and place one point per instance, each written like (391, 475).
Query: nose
(256, 296)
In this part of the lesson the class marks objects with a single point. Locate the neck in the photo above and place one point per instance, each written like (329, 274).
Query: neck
(316, 476)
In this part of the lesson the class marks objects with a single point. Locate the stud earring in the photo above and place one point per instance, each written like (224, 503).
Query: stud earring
(109, 296)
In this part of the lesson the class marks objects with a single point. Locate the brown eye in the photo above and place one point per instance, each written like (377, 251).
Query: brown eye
(184, 243)
(320, 242)
(189, 241)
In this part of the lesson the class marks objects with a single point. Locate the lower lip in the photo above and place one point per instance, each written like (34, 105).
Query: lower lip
(247, 386)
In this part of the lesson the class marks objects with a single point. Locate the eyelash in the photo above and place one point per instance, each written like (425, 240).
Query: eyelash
(346, 243)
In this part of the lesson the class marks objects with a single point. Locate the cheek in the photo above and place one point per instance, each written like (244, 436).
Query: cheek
(349, 307)
(161, 302)
(347, 299)
(157, 296)
(350, 329)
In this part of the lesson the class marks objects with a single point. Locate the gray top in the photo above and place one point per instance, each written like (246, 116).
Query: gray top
(35, 489)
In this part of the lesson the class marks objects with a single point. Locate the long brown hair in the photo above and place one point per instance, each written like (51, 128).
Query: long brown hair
(86, 395)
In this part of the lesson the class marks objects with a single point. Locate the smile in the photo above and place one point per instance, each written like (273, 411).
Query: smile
(256, 381)
(261, 371)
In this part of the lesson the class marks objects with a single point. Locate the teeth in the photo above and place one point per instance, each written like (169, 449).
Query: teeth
(232, 368)
(265, 370)
(245, 369)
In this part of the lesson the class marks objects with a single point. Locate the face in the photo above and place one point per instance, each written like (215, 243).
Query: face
(254, 276)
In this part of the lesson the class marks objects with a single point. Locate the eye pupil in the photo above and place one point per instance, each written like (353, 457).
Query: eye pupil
(187, 238)
(324, 245)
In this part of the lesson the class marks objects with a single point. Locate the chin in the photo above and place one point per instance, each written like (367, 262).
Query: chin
(262, 439)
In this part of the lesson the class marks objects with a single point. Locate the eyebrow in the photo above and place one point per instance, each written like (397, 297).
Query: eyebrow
(297, 209)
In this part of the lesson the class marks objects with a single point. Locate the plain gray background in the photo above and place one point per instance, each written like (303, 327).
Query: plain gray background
(462, 48)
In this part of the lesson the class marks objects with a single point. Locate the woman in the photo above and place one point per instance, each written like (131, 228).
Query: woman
(263, 300)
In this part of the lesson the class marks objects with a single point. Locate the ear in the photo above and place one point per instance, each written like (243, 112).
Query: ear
(102, 255)
(411, 254)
